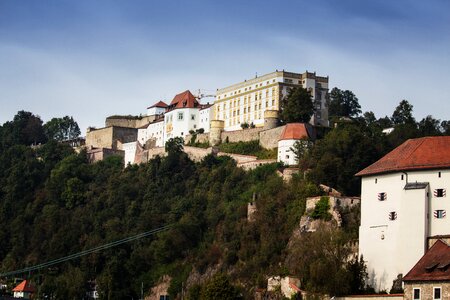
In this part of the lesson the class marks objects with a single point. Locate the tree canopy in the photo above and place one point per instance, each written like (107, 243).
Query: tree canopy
(61, 129)
(297, 106)
(343, 104)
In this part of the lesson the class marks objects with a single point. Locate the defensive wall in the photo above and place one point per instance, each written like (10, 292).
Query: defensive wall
(128, 121)
(108, 137)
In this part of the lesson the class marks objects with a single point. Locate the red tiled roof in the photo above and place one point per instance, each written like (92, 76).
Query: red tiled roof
(415, 154)
(184, 100)
(159, 104)
(434, 265)
(294, 131)
(24, 286)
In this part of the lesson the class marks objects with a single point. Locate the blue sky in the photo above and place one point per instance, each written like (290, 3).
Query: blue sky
(91, 59)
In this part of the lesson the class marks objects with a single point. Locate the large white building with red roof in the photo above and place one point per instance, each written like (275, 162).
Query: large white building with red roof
(404, 204)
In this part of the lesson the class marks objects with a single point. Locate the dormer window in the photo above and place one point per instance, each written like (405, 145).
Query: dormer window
(382, 196)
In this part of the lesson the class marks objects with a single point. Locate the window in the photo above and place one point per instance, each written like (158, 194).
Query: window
(439, 214)
(192, 117)
(439, 193)
(382, 196)
(164, 297)
(392, 216)
(416, 294)
(376, 180)
(402, 176)
(437, 293)
(287, 156)
(439, 174)
(180, 116)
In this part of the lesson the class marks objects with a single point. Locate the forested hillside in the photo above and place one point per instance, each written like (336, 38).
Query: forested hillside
(54, 203)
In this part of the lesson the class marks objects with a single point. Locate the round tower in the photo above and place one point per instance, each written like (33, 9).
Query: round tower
(215, 132)
(270, 119)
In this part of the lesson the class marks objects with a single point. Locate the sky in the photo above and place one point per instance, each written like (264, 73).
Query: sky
(91, 59)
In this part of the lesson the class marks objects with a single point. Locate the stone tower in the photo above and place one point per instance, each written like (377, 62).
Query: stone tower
(270, 119)
(215, 132)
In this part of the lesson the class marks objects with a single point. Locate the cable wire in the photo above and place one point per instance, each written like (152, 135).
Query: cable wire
(89, 251)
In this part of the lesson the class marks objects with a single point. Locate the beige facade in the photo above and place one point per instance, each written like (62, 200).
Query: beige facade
(246, 102)
(427, 290)
(110, 137)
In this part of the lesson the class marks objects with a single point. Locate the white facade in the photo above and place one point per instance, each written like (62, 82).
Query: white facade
(247, 101)
(179, 122)
(205, 117)
(285, 154)
(397, 219)
(155, 110)
(130, 152)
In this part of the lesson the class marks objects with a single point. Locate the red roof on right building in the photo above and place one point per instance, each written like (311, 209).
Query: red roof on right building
(433, 266)
(415, 154)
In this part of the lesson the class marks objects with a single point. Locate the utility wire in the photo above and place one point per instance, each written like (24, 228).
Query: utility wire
(89, 251)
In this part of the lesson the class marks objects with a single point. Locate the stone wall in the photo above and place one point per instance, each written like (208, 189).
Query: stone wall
(153, 152)
(201, 138)
(250, 165)
(161, 289)
(128, 121)
(239, 158)
(99, 138)
(426, 289)
(98, 154)
(374, 297)
(108, 137)
(246, 135)
(197, 154)
(269, 138)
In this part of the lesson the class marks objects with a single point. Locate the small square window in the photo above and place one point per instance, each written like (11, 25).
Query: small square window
(416, 294)
(392, 216)
(439, 213)
(437, 293)
(287, 156)
(192, 117)
(439, 193)
(382, 196)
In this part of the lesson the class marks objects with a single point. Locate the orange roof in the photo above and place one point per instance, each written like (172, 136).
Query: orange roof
(415, 154)
(294, 131)
(158, 104)
(434, 265)
(24, 286)
(184, 100)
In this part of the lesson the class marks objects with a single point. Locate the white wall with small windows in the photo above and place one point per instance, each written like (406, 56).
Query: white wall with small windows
(285, 154)
(179, 122)
(396, 222)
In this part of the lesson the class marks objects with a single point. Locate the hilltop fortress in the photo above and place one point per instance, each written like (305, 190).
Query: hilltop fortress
(245, 111)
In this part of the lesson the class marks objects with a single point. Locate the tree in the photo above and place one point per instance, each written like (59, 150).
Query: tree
(25, 129)
(403, 113)
(445, 126)
(61, 129)
(297, 106)
(219, 288)
(343, 104)
(300, 149)
(429, 126)
(174, 145)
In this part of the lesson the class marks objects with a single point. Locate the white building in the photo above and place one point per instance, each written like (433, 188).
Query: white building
(403, 205)
(292, 133)
(206, 115)
(182, 115)
(246, 102)
(157, 109)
